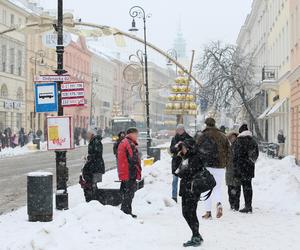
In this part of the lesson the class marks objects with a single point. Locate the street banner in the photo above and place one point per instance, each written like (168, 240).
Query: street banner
(60, 133)
(52, 78)
(46, 97)
(72, 94)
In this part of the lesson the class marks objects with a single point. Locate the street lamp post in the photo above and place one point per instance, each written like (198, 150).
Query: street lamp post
(137, 11)
(61, 160)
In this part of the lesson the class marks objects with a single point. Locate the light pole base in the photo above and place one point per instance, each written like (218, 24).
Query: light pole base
(61, 200)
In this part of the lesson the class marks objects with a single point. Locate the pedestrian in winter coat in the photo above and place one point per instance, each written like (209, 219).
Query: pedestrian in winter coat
(281, 142)
(215, 151)
(180, 136)
(129, 169)
(233, 184)
(190, 166)
(245, 154)
(84, 135)
(22, 137)
(94, 166)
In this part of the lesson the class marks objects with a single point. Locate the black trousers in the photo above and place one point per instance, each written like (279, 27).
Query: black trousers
(127, 189)
(189, 212)
(234, 193)
(248, 192)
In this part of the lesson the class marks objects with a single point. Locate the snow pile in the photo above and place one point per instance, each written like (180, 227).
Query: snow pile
(17, 151)
(274, 225)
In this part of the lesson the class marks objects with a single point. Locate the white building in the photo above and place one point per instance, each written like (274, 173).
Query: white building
(266, 33)
(12, 67)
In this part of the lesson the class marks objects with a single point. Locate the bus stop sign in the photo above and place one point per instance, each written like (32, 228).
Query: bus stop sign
(46, 97)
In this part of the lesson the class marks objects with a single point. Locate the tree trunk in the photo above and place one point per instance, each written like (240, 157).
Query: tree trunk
(253, 119)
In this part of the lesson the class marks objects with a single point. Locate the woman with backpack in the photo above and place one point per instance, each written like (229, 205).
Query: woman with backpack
(190, 166)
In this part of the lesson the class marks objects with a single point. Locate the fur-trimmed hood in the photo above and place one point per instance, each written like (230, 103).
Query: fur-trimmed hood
(246, 133)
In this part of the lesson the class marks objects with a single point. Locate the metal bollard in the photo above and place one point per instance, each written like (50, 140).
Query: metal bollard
(40, 196)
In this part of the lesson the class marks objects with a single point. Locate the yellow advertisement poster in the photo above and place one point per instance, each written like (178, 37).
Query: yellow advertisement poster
(53, 133)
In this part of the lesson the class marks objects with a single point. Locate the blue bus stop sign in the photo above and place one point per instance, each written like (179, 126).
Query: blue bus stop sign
(46, 97)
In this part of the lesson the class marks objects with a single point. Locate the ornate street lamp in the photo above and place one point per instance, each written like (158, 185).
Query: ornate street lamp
(139, 12)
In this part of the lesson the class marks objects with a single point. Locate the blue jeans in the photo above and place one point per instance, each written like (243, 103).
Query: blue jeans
(175, 186)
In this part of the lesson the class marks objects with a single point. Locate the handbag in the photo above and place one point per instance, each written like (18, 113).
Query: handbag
(203, 182)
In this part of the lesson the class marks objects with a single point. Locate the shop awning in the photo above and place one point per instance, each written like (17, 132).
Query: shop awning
(272, 110)
(265, 113)
(276, 107)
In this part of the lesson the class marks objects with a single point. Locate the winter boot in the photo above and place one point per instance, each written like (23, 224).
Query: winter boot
(133, 216)
(196, 241)
(219, 210)
(207, 216)
(246, 210)
(174, 199)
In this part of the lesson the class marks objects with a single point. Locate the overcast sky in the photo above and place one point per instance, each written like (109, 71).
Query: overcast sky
(201, 20)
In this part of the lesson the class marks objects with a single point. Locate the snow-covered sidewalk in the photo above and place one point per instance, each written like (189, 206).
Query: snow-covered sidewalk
(275, 223)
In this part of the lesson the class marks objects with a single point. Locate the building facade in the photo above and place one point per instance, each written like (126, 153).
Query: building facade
(77, 62)
(266, 33)
(103, 82)
(294, 77)
(12, 68)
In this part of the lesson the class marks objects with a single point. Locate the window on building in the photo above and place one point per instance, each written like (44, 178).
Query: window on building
(12, 60)
(19, 61)
(4, 20)
(19, 121)
(12, 20)
(3, 91)
(4, 57)
(20, 94)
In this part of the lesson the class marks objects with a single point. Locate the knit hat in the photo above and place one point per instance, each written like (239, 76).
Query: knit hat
(132, 130)
(92, 130)
(180, 126)
(210, 122)
(243, 128)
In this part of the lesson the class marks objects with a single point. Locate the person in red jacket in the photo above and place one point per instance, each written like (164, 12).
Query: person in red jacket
(129, 169)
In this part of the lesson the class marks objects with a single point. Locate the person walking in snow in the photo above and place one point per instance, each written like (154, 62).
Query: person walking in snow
(121, 136)
(180, 136)
(215, 152)
(94, 166)
(281, 142)
(233, 184)
(190, 166)
(129, 169)
(245, 154)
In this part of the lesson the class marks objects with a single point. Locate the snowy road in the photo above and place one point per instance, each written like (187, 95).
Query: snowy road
(13, 172)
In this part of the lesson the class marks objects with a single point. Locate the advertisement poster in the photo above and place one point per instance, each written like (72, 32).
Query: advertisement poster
(60, 133)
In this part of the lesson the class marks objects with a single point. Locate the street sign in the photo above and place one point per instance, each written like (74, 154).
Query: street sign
(52, 78)
(46, 97)
(72, 102)
(72, 94)
(60, 133)
(72, 85)
(49, 39)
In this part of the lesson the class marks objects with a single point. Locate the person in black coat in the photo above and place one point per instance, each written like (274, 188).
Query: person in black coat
(181, 135)
(190, 166)
(245, 154)
(94, 166)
